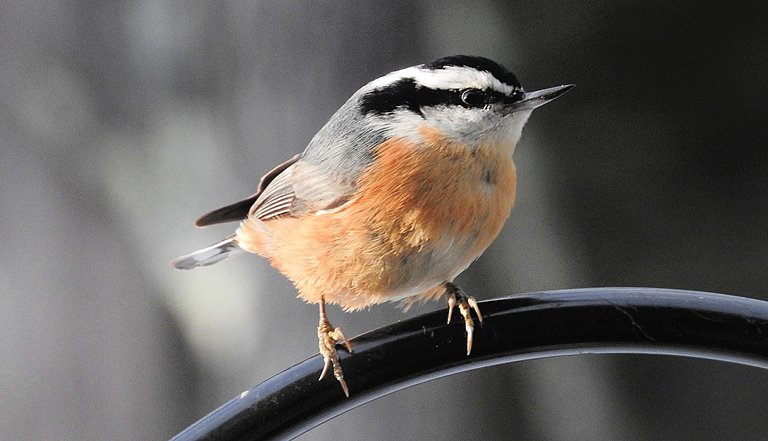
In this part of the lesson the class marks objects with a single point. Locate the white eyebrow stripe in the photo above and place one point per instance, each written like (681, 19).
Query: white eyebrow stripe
(449, 77)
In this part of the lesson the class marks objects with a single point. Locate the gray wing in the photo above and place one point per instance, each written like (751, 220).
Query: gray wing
(303, 188)
(326, 175)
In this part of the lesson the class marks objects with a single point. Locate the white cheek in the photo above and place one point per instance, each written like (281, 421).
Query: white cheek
(513, 126)
(466, 125)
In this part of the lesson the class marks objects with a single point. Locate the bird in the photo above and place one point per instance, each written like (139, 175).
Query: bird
(404, 187)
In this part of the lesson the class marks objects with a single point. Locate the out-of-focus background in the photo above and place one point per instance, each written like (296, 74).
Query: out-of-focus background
(121, 122)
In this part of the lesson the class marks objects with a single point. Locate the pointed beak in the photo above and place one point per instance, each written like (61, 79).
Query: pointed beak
(532, 100)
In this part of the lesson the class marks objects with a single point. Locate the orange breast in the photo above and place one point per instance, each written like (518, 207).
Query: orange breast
(422, 213)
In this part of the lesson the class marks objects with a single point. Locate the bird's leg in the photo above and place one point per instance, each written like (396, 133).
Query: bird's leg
(456, 296)
(327, 337)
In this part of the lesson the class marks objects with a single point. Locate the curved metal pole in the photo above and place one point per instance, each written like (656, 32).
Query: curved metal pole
(520, 327)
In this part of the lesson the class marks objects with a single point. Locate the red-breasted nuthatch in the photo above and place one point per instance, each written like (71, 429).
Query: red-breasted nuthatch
(406, 185)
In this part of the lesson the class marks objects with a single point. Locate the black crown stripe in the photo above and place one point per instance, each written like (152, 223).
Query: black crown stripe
(480, 63)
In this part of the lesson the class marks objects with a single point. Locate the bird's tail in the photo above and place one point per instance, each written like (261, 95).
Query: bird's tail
(209, 255)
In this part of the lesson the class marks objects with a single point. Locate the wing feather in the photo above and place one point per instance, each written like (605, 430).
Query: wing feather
(239, 210)
(302, 189)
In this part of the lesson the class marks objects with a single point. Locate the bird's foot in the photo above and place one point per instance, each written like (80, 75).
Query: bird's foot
(328, 336)
(457, 296)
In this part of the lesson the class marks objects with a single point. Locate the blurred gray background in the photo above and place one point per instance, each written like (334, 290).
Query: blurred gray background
(122, 121)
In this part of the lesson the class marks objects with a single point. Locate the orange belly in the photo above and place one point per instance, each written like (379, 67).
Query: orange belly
(421, 215)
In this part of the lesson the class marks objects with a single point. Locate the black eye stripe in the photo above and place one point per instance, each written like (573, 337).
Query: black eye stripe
(481, 98)
(474, 97)
(406, 94)
(400, 94)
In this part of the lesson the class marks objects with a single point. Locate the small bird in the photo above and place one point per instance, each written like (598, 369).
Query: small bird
(401, 190)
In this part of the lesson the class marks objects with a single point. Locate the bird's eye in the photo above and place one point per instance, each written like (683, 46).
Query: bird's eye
(473, 97)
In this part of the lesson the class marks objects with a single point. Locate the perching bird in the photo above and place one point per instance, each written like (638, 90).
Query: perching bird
(401, 190)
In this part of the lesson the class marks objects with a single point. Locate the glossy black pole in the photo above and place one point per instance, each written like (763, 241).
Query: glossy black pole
(521, 327)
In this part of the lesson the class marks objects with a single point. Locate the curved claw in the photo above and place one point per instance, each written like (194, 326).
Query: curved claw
(327, 362)
(451, 305)
(337, 335)
(469, 324)
(473, 304)
(456, 296)
(343, 386)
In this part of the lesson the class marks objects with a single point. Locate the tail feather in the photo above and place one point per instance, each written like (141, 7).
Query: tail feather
(208, 256)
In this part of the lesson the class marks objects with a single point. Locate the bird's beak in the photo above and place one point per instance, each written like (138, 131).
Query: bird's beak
(532, 100)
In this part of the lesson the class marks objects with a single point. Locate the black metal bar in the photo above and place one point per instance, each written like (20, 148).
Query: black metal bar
(521, 327)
